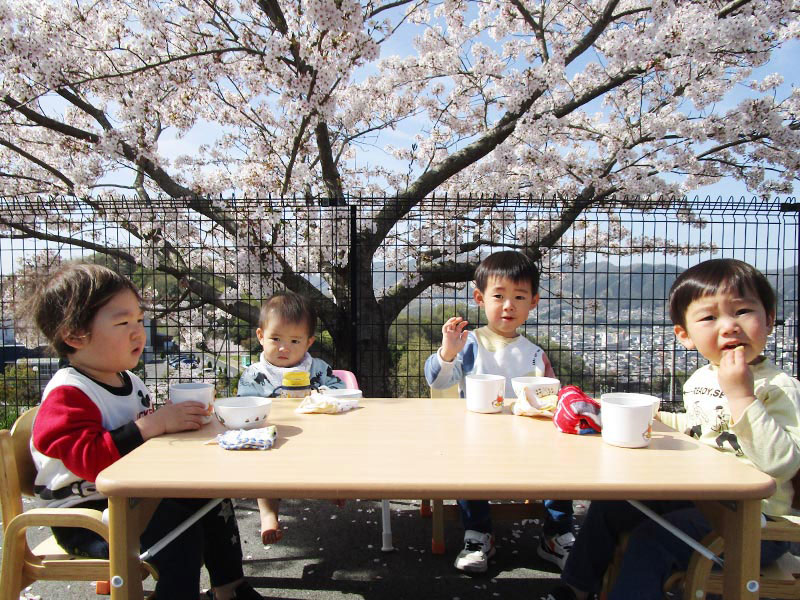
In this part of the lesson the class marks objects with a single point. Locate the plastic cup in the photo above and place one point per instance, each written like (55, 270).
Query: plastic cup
(197, 392)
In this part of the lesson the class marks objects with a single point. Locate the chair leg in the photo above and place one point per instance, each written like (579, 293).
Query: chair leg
(437, 543)
(11, 571)
(696, 578)
(102, 588)
(386, 522)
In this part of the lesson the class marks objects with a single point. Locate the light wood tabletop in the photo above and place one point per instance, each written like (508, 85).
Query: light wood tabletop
(434, 448)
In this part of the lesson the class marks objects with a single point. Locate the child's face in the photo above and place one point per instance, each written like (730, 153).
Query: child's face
(717, 324)
(115, 339)
(507, 304)
(285, 344)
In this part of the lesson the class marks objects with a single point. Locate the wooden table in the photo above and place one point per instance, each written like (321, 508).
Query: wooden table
(434, 448)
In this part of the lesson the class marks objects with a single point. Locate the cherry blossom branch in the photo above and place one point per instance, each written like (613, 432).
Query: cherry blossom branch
(52, 170)
(388, 6)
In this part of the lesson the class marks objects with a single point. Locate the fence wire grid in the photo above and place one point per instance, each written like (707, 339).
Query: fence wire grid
(385, 273)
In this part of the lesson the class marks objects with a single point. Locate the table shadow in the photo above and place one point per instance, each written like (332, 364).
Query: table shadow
(666, 442)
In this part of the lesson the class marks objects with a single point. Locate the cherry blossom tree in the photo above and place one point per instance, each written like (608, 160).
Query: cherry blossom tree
(595, 102)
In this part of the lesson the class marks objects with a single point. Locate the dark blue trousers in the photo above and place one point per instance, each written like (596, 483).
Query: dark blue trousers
(213, 541)
(558, 519)
(652, 554)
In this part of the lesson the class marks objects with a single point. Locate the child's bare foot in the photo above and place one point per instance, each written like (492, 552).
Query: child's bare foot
(271, 532)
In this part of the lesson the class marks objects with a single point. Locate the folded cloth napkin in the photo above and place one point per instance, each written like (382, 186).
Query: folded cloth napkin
(320, 403)
(245, 439)
(577, 413)
(539, 407)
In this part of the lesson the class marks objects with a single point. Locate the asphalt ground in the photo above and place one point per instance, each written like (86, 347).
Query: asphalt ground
(334, 553)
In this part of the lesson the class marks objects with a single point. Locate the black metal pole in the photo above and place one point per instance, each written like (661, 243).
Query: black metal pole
(354, 272)
(794, 207)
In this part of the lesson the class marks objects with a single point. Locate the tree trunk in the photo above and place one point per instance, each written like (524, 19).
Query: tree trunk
(374, 358)
(364, 350)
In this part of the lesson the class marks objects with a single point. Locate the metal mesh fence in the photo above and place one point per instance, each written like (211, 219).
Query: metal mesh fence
(384, 275)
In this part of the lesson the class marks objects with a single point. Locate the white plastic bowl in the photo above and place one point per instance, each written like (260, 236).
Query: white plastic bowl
(242, 412)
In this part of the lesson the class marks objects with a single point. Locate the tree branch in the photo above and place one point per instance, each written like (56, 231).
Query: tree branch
(330, 174)
(397, 299)
(40, 163)
(49, 123)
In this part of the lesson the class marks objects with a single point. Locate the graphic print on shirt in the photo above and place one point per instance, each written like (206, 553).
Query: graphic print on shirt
(147, 405)
(722, 426)
(713, 420)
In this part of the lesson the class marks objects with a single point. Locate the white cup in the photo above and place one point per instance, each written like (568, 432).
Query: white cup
(627, 421)
(197, 392)
(485, 393)
(631, 396)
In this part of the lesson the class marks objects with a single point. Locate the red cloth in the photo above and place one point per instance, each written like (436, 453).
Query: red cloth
(576, 412)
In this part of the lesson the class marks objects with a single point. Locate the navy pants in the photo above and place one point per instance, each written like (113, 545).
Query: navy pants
(558, 519)
(213, 541)
(652, 554)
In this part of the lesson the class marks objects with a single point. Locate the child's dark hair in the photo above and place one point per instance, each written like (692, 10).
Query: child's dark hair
(714, 276)
(64, 302)
(510, 264)
(291, 307)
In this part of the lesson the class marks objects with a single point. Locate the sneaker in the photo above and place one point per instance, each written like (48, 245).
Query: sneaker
(556, 549)
(478, 549)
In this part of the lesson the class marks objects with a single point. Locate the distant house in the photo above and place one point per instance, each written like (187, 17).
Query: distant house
(10, 349)
(7, 336)
(156, 342)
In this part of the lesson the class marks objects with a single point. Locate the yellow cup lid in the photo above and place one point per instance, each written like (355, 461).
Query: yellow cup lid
(296, 378)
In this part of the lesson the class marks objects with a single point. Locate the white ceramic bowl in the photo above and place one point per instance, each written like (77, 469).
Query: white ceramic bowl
(242, 412)
(538, 386)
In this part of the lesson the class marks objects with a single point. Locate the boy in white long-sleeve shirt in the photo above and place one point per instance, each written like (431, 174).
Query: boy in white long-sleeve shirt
(506, 286)
(740, 403)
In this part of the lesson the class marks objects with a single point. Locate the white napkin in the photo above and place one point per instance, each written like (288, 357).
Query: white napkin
(540, 407)
(248, 439)
(322, 404)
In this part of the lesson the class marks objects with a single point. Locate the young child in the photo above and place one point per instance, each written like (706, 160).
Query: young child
(506, 286)
(286, 331)
(95, 410)
(740, 403)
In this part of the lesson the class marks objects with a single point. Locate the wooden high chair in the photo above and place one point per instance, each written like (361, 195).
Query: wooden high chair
(778, 580)
(23, 565)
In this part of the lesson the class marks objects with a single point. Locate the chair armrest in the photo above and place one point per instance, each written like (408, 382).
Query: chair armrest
(84, 518)
(782, 529)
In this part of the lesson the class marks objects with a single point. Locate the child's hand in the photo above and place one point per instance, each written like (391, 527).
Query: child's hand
(172, 418)
(736, 381)
(454, 337)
